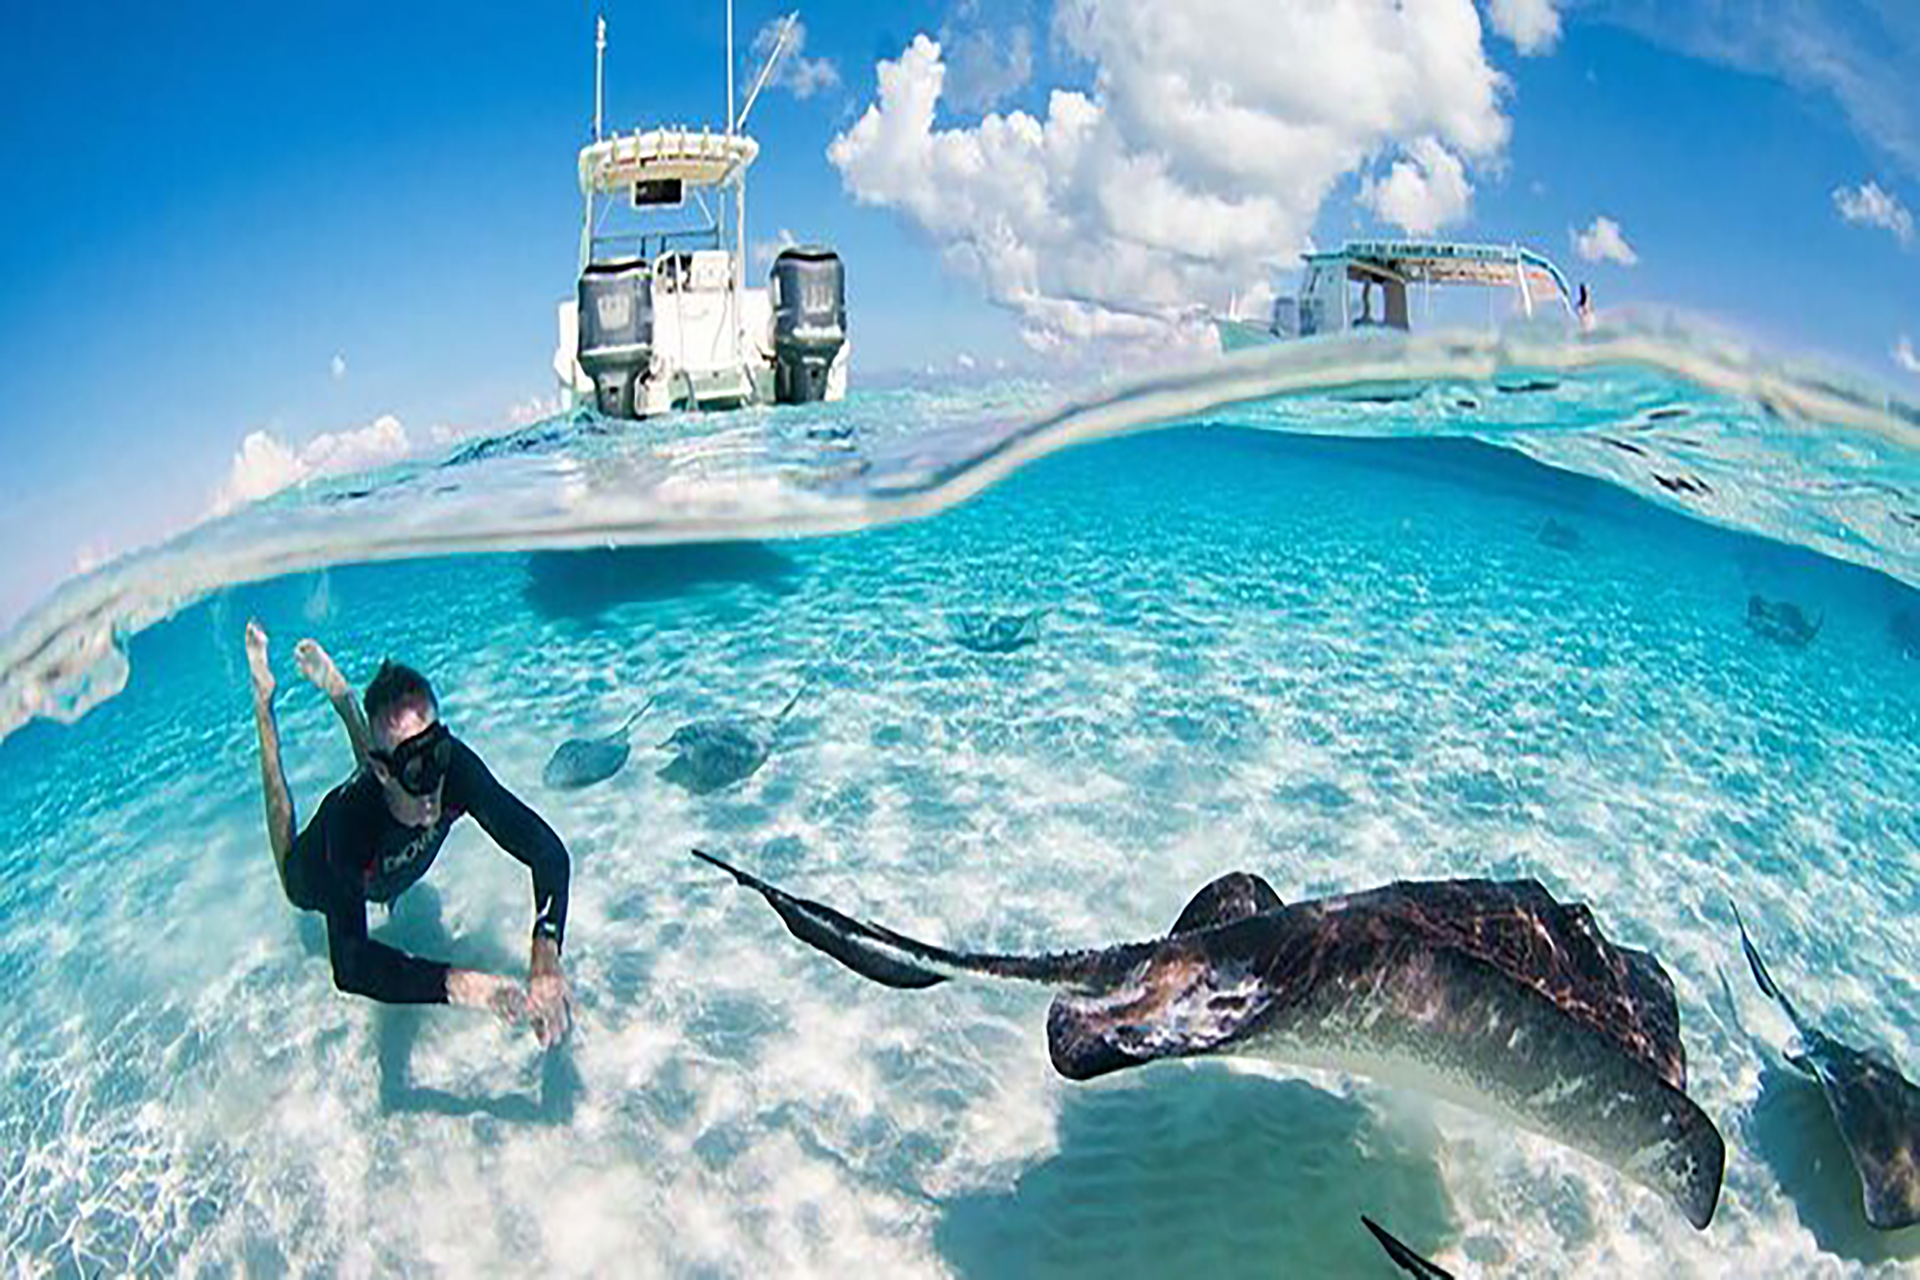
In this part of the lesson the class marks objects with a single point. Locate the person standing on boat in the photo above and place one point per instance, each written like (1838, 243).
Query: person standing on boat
(375, 834)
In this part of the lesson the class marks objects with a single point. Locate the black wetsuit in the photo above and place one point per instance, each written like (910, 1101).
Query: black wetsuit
(354, 852)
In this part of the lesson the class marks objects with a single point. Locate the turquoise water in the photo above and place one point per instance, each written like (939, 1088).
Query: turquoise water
(1332, 661)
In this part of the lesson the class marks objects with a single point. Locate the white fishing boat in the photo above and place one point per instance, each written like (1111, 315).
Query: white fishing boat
(1338, 288)
(662, 317)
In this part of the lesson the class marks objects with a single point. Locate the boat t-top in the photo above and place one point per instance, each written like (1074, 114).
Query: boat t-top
(1376, 284)
(662, 318)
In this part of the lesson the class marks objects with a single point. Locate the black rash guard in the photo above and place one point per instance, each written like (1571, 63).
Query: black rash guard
(354, 852)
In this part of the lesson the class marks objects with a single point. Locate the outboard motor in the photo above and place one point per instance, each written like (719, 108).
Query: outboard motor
(616, 331)
(809, 321)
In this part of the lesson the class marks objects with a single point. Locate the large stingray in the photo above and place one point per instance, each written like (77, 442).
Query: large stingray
(1487, 993)
(718, 753)
(581, 762)
(1782, 622)
(1876, 1108)
(996, 632)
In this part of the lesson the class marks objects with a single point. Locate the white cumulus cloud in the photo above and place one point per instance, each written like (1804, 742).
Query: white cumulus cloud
(797, 73)
(1904, 356)
(1195, 160)
(1532, 25)
(987, 61)
(1422, 192)
(1869, 204)
(1603, 241)
(266, 464)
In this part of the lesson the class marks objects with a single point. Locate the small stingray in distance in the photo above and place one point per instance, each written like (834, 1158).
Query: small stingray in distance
(714, 754)
(1782, 622)
(581, 762)
(996, 632)
(1561, 537)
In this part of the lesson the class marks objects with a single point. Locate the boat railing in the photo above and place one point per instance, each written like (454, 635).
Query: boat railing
(654, 244)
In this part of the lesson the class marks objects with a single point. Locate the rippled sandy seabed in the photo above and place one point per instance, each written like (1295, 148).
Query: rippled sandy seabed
(1331, 661)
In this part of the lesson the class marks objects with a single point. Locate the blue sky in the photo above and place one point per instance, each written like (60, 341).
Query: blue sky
(222, 220)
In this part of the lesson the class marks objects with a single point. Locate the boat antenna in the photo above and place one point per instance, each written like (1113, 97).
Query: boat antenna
(773, 59)
(599, 71)
(730, 98)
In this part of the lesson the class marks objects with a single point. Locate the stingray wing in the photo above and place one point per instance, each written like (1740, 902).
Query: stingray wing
(558, 766)
(1554, 948)
(566, 762)
(1494, 995)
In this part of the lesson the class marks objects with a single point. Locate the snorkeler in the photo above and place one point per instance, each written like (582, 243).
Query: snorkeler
(377, 833)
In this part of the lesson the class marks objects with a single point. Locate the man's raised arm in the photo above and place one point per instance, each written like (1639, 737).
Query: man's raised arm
(317, 665)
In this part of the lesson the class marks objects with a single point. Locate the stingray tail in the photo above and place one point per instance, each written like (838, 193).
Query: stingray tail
(1404, 1258)
(895, 960)
(1760, 974)
(635, 717)
(794, 700)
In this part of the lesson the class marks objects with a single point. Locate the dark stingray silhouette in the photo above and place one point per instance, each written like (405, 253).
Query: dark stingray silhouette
(1561, 537)
(996, 632)
(1876, 1108)
(1781, 621)
(1903, 630)
(714, 754)
(581, 762)
(1404, 1258)
(1487, 993)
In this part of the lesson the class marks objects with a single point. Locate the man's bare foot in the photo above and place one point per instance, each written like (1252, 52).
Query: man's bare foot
(317, 665)
(263, 684)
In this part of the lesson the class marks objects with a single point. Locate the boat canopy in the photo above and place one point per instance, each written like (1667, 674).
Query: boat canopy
(663, 160)
(1442, 262)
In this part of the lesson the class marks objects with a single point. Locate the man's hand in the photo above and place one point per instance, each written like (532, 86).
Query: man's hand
(549, 1003)
(504, 998)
